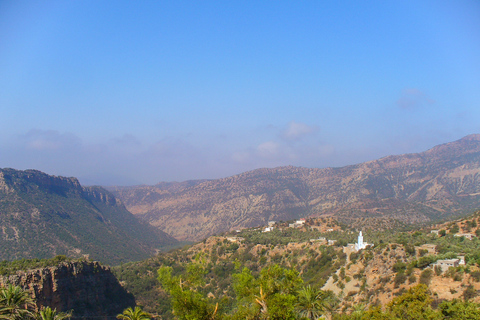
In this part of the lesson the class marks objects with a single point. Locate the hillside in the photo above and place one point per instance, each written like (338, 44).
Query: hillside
(412, 188)
(374, 276)
(42, 216)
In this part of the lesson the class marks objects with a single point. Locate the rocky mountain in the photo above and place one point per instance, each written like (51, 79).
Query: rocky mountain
(412, 188)
(87, 288)
(42, 216)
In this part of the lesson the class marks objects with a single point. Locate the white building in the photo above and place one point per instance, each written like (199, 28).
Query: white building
(359, 245)
(445, 264)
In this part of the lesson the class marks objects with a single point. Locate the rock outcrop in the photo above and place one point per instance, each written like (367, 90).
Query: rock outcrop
(88, 288)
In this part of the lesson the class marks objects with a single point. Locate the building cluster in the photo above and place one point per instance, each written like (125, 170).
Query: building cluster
(297, 224)
(468, 236)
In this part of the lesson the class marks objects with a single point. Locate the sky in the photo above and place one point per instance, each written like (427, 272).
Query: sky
(138, 92)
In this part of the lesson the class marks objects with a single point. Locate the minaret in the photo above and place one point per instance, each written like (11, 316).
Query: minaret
(360, 240)
(360, 244)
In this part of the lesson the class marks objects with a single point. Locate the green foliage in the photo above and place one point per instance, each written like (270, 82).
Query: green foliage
(469, 293)
(187, 302)
(47, 313)
(271, 295)
(11, 267)
(425, 261)
(454, 229)
(15, 303)
(413, 304)
(134, 314)
(426, 277)
(459, 310)
(400, 278)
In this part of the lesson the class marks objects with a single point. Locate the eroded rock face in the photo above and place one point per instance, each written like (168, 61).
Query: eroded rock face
(88, 288)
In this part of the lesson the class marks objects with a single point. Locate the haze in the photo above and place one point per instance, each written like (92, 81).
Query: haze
(122, 92)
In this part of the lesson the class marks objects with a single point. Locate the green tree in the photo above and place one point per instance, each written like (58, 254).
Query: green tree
(272, 295)
(310, 303)
(47, 313)
(15, 303)
(413, 305)
(460, 310)
(187, 302)
(134, 314)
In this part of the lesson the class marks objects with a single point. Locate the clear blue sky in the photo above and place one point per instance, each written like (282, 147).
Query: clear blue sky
(130, 92)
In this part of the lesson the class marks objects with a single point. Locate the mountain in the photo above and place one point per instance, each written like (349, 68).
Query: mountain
(42, 216)
(432, 185)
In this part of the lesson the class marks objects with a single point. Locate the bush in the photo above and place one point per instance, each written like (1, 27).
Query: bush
(426, 276)
(475, 275)
(425, 261)
(469, 293)
(399, 266)
(400, 278)
(412, 279)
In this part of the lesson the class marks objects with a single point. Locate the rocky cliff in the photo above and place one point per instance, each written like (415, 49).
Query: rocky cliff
(42, 216)
(435, 184)
(87, 288)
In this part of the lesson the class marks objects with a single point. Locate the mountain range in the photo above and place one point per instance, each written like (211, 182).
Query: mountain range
(413, 188)
(42, 216)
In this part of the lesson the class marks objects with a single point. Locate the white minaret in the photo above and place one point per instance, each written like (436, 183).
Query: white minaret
(360, 244)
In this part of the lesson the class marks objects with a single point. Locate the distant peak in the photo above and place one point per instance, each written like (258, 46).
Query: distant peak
(472, 137)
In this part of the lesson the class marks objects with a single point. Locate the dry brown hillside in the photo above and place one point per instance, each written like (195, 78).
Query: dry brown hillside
(435, 184)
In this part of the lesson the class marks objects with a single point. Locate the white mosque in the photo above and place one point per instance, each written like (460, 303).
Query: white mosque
(360, 244)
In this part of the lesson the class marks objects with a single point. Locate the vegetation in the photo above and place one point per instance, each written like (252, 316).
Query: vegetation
(221, 262)
(15, 303)
(45, 216)
(11, 267)
(134, 314)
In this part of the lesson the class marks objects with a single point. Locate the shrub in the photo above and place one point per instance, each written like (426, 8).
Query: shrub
(400, 278)
(469, 293)
(426, 276)
(412, 279)
(475, 275)
(425, 261)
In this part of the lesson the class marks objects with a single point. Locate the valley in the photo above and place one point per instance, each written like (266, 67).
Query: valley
(263, 240)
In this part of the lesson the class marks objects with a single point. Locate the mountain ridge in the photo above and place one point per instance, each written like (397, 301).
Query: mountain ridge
(416, 187)
(42, 216)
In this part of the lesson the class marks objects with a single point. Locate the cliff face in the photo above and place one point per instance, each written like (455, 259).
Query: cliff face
(42, 216)
(435, 184)
(90, 289)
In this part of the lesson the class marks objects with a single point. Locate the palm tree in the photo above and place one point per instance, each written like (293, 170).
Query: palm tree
(46, 313)
(134, 314)
(357, 311)
(15, 303)
(310, 303)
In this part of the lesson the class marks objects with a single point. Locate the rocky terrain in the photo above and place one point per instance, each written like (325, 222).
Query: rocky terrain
(87, 288)
(436, 184)
(42, 216)
(373, 276)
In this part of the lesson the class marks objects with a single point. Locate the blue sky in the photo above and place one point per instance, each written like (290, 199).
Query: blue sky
(124, 92)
